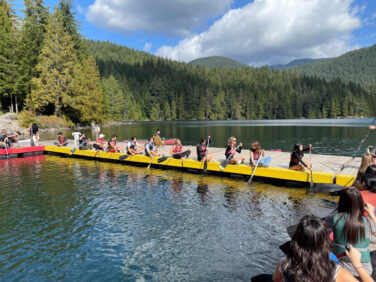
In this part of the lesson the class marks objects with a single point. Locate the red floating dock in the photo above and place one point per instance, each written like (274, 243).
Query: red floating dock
(20, 152)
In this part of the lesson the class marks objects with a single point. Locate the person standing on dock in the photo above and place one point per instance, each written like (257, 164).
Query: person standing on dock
(202, 150)
(296, 160)
(34, 134)
(232, 149)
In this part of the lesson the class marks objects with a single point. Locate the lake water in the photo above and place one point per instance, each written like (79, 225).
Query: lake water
(78, 220)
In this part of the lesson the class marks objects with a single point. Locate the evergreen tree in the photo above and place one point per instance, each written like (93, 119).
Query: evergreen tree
(86, 103)
(71, 27)
(56, 64)
(8, 55)
(115, 99)
(31, 41)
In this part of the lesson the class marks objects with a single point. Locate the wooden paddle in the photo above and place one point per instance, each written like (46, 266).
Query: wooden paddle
(162, 159)
(151, 160)
(206, 153)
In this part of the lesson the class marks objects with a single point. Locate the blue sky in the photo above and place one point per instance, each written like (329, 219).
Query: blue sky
(254, 32)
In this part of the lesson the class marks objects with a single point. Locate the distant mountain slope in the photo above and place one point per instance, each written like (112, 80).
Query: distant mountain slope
(355, 66)
(218, 62)
(295, 62)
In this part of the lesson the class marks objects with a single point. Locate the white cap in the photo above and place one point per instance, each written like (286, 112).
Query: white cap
(101, 136)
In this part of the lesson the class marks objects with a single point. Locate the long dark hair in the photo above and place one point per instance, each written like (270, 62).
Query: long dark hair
(308, 259)
(351, 204)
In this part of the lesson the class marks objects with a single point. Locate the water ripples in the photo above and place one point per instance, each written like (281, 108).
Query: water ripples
(68, 219)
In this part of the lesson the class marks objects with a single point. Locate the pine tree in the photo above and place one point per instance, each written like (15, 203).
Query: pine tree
(86, 103)
(71, 27)
(30, 47)
(115, 99)
(56, 64)
(8, 55)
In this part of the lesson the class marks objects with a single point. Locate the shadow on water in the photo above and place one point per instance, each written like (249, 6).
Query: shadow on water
(70, 219)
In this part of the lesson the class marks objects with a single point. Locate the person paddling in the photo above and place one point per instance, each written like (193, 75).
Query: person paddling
(296, 158)
(150, 148)
(202, 150)
(113, 146)
(232, 149)
(177, 150)
(257, 155)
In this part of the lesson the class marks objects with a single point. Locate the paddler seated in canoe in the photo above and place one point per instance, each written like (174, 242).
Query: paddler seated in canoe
(133, 147)
(177, 150)
(100, 143)
(257, 156)
(296, 158)
(150, 148)
(366, 177)
(310, 259)
(202, 150)
(61, 140)
(349, 225)
(113, 147)
(232, 149)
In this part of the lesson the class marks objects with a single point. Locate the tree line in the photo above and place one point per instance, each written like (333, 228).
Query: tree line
(47, 68)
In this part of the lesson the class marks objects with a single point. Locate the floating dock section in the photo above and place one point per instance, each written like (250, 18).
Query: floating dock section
(339, 170)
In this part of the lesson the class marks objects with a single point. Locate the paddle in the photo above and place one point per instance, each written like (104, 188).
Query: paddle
(206, 162)
(224, 163)
(310, 160)
(151, 160)
(364, 139)
(82, 144)
(123, 157)
(162, 159)
(253, 172)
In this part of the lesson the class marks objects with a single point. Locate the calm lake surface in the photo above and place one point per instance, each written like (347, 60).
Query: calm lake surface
(79, 220)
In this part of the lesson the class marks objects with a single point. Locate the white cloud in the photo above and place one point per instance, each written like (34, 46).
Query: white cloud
(171, 17)
(274, 31)
(147, 47)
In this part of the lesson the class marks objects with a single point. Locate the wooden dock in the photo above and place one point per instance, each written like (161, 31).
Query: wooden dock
(339, 170)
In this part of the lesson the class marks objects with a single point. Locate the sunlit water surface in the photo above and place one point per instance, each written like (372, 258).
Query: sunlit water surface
(79, 220)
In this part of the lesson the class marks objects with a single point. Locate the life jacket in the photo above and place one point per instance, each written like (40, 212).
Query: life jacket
(201, 152)
(61, 140)
(178, 149)
(256, 154)
(149, 146)
(294, 160)
(340, 241)
(132, 145)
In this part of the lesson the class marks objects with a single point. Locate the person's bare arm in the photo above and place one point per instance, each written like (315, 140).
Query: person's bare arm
(277, 276)
(354, 255)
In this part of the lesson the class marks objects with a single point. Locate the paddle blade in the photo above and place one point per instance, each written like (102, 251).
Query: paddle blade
(223, 164)
(73, 151)
(162, 159)
(123, 157)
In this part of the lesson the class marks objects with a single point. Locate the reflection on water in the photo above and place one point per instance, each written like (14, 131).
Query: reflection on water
(69, 219)
(329, 136)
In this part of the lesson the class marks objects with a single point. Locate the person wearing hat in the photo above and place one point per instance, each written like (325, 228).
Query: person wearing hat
(100, 143)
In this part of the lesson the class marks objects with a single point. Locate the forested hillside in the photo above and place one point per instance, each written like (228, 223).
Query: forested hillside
(46, 68)
(218, 62)
(295, 63)
(156, 88)
(357, 66)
